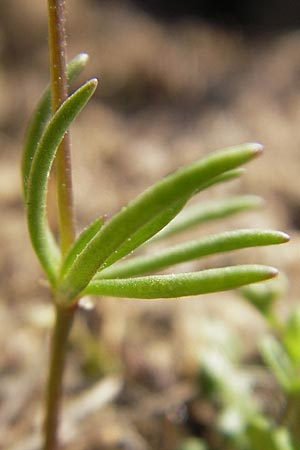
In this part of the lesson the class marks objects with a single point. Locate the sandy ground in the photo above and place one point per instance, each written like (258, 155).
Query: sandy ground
(168, 94)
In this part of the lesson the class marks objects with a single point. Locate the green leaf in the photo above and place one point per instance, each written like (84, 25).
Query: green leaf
(229, 175)
(145, 233)
(82, 240)
(163, 195)
(281, 365)
(192, 443)
(283, 439)
(211, 210)
(41, 116)
(262, 435)
(150, 229)
(40, 233)
(218, 243)
(263, 297)
(182, 284)
(291, 337)
(76, 66)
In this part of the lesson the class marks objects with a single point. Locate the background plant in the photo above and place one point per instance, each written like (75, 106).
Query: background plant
(87, 264)
(244, 421)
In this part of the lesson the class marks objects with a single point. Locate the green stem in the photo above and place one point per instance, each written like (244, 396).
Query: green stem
(63, 324)
(290, 418)
(59, 93)
(64, 317)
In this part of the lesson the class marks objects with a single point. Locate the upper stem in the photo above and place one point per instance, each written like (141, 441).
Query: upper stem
(64, 317)
(59, 93)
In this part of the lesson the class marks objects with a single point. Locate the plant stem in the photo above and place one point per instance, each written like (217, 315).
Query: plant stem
(64, 317)
(59, 93)
(290, 418)
(63, 323)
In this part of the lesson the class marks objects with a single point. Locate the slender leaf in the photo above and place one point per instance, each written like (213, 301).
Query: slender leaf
(291, 336)
(283, 439)
(150, 229)
(42, 115)
(182, 284)
(224, 177)
(263, 296)
(83, 239)
(41, 236)
(211, 210)
(262, 435)
(145, 233)
(152, 202)
(192, 443)
(218, 243)
(278, 360)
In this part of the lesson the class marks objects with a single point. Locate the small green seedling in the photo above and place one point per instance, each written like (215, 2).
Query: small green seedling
(241, 422)
(92, 262)
(281, 350)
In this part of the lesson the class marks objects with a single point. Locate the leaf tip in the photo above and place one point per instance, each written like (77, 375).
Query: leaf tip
(271, 272)
(91, 85)
(284, 237)
(236, 173)
(82, 58)
(94, 81)
(256, 148)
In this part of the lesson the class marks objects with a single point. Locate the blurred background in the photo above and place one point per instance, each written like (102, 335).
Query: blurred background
(177, 80)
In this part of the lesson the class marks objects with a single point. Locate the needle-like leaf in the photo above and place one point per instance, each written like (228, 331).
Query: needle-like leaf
(83, 239)
(41, 116)
(210, 210)
(40, 233)
(145, 233)
(182, 284)
(180, 185)
(150, 229)
(278, 360)
(218, 243)
(142, 235)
